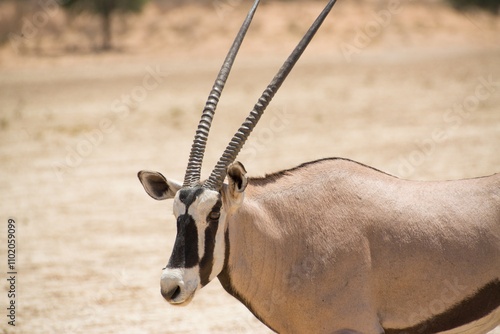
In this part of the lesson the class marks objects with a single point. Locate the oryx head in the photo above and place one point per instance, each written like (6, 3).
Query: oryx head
(202, 208)
(201, 213)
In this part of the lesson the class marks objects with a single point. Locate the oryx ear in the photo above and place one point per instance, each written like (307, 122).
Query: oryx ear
(157, 186)
(237, 179)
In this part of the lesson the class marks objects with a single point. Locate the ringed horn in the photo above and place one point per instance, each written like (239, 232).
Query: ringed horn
(218, 174)
(193, 170)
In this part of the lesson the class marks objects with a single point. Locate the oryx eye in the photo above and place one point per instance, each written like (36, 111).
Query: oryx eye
(214, 215)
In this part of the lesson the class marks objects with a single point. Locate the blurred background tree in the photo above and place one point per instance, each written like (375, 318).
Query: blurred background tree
(105, 9)
(491, 5)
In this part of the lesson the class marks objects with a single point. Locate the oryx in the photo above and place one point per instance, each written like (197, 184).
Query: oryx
(332, 245)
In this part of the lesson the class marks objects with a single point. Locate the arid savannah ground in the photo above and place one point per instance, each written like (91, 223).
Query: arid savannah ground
(411, 88)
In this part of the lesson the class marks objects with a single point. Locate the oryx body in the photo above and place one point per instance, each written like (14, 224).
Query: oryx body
(332, 245)
(336, 245)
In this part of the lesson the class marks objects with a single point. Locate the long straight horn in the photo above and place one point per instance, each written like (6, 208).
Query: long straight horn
(193, 169)
(216, 179)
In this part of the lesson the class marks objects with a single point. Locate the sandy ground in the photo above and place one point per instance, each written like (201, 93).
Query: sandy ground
(420, 99)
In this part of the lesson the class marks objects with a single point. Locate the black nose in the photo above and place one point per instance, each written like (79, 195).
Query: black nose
(172, 293)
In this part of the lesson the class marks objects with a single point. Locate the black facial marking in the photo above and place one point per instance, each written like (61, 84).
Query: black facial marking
(473, 308)
(189, 195)
(185, 252)
(207, 261)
